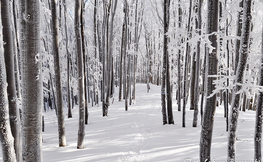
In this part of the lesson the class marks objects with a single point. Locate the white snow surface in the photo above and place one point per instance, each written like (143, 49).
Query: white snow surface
(138, 134)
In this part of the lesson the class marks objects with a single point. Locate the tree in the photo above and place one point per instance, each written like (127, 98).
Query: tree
(32, 92)
(58, 85)
(196, 94)
(186, 64)
(258, 125)
(208, 117)
(166, 56)
(6, 138)
(11, 79)
(68, 61)
(81, 87)
(243, 54)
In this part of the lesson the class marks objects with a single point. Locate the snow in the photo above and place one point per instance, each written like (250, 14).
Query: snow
(138, 134)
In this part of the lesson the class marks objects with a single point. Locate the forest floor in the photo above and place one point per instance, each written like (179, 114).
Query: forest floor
(138, 134)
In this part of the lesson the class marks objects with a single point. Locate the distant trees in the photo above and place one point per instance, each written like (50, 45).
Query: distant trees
(167, 43)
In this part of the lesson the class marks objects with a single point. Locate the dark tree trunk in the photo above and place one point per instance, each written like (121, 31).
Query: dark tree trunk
(196, 86)
(179, 58)
(81, 130)
(239, 28)
(59, 103)
(244, 47)
(208, 118)
(68, 62)
(258, 125)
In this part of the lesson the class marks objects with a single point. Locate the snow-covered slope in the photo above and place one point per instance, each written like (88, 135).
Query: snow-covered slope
(138, 134)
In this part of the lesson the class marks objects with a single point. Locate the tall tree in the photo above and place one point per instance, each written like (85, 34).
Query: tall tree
(68, 62)
(163, 96)
(186, 64)
(58, 85)
(258, 125)
(81, 87)
(32, 91)
(166, 19)
(123, 48)
(179, 57)
(11, 79)
(208, 117)
(243, 54)
(6, 138)
(196, 94)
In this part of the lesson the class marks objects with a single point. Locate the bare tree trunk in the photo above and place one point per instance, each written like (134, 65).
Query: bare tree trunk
(163, 92)
(6, 138)
(32, 92)
(81, 87)
(186, 65)
(258, 125)
(58, 85)
(244, 47)
(208, 118)
(179, 58)
(196, 86)
(239, 28)
(68, 62)
(10, 73)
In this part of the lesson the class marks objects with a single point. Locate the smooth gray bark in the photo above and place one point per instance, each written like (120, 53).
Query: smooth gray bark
(6, 138)
(81, 87)
(58, 84)
(32, 91)
(9, 53)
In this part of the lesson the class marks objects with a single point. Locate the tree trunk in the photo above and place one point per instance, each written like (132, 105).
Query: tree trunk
(239, 28)
(258, 125)
(196, 86)
(10, 73)
(244, 46)
(208, 118)
(68, 62)
(81, 87)
(179, 57)
(32, 91)
(6, 138)
(58, 85)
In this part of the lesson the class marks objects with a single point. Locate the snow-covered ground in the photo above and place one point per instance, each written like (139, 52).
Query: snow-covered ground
(138, 134)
